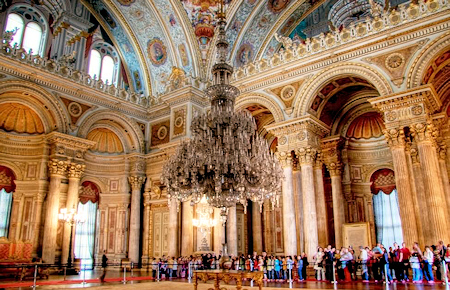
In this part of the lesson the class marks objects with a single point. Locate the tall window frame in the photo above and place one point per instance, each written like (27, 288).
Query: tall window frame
(32, 32)
(104, 63)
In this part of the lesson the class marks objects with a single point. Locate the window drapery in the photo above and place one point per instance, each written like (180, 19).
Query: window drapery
(5, 211)
(85, 233)
(387, 218)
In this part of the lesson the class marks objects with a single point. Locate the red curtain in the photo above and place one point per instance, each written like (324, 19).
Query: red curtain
(89, 192)
(384, 180)
(7, 179)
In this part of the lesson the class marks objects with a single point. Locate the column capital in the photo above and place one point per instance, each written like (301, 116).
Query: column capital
(75, 170)
(285, 158)
(335, 168)
(424, 132)
(395, 137)
(306, 155)
(57, 167)
(136, 182)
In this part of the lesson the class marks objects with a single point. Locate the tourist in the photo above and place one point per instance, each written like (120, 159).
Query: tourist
(318, 264)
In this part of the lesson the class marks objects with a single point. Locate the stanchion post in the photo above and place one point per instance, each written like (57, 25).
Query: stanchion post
(290, 277)
(157, 273)
(35, 277)
(131, 269)
(189, 272)
(386, 280)
(124, 281)
(65, 272)
(445, 273)
(84, 274)
(334, 275)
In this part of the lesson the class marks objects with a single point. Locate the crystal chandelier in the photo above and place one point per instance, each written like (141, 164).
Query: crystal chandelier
(225, 161)
(204, 212)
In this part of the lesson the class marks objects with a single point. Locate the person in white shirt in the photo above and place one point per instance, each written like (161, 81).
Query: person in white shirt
(363, 256)
(428, 259)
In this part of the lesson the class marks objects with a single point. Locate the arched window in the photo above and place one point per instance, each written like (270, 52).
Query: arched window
(103, 63)
(30, 28)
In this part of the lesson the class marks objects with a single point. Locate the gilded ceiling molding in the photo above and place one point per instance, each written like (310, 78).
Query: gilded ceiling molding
(134, 41)
(132, 128)
(423, 60)
(54, 117)
(303, 101)
(245, 100)
(278, 25)
(192, 40)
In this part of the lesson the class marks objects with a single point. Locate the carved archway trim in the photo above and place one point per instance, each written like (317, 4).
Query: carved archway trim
(55, 113)
(266, 101)
(303, 101)
(14, 168)
(377, 167)
(102, 187)
(132, 128)
(423, 60)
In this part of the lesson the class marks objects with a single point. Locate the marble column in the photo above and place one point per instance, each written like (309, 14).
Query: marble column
(173, 229)
(257, 228)
(39, 200)
(187, 231)
(298, 201)
(444, 173)
(434, 191)
(321, 208)
(146, 228)
(306, 158)
(338, 201)
(219, 232)
(396, 141)
(231, 234)
(418, 202)
(57, 169)
(74, 172)
(136, 183)
(417, 176)
(289, 228)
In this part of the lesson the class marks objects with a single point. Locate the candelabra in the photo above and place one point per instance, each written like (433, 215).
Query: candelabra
(71, 217)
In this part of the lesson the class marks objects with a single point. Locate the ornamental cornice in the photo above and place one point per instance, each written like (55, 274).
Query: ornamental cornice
(307, 122)
(187, 94)
(69, 141)
(306, 59)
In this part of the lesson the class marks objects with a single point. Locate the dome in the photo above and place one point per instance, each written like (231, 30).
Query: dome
(107, 141)
(20, 118)
(369, 125)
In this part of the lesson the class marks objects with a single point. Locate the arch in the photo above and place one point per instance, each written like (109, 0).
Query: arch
(101, 186)
(423, 60)
(376, 168)
(303, 100)
(52, 113)
(245, 100)
(136, 137)
(14, 168)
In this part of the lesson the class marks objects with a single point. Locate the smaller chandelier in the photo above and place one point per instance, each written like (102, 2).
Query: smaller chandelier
(204, 212)
(70, 216)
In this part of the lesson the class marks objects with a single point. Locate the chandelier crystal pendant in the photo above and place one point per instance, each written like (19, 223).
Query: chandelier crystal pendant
(225, 161)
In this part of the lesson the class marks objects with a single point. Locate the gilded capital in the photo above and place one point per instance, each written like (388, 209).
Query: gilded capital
(285, 158)
(424, 132)
(75, 170)
(306, 155)
(335, 168)
(395, 137)
(136, 182)
(57, 167)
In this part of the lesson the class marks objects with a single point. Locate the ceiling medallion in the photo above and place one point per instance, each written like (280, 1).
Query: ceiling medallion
(394, 61)
(287, 93)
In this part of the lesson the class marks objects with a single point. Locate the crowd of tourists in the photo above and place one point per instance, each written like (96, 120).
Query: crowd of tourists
(377, 264)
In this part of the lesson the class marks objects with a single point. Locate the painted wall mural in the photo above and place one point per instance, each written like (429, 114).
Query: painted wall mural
(156, 51)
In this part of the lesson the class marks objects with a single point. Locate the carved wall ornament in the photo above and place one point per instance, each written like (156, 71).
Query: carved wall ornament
(282, 140)
(179, 117)
(288, 93)
(75, 109)
(417, 110)
(162, 132)
(301, 136)
(391, 116)
(394, 61)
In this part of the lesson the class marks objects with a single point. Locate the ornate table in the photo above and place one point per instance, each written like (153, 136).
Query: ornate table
(226, 276)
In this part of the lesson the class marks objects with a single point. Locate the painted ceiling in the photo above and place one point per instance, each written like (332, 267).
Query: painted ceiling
(154, 36)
